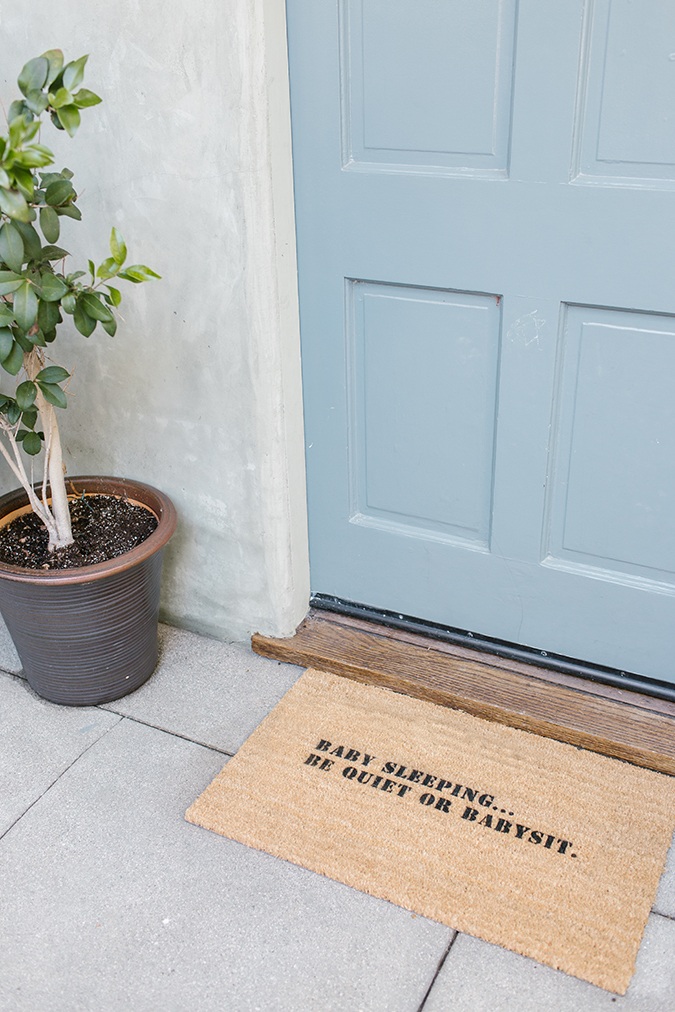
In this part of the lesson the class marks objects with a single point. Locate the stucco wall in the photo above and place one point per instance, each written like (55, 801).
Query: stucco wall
(199, 391)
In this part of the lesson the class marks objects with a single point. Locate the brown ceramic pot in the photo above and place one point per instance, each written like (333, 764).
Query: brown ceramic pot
(89, 635)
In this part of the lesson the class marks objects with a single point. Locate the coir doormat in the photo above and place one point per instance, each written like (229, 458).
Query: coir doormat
(540, 847)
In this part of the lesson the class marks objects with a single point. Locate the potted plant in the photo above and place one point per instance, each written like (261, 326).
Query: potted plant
(85, 625)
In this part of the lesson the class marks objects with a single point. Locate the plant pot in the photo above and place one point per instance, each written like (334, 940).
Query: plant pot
(89, 635)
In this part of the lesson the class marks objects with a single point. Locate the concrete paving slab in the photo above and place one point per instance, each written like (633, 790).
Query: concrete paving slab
(478, 977)
(211, 692)
(38, 742)
(665, 897)
(111, 901)
(9, 659)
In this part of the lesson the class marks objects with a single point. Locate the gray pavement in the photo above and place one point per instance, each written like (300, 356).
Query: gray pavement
(109, 900)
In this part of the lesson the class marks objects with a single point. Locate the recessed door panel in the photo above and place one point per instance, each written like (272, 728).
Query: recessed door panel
(423, 386)
(427, 84)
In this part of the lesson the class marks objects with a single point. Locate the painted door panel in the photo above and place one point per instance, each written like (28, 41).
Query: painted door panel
(485, 215)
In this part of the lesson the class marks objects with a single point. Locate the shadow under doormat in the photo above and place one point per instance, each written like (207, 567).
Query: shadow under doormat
(537, 846)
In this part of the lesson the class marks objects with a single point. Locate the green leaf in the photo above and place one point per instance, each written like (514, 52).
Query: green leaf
(9, 282)
(54, 394)
(74, 72)
(59, 191)
(94, 307)
(54, 58)
(32, 443)
(29, 417)
(54, 116)
(66, 174)
(92, 268)
(31, 240)
(34, 74)
(21, 434)
(25, 305)
(26, 394)
(13, 362)
(23, 341)
(49, 223)
(117, 247)
(60, 98)
(36, 101)
(139, 272)
(84, 98)
(74, 276)
(32, 158)
(68, 303)
(70, 211)
(48, 316)
(6, 342)
(115, 295)
(53, 374)
(53, 288)
(69, 115)
(54, 253)
(16, 109)
(13, 203)
(6, 315)
(110, 326)
(36, 337)
(4, 179)
(13, 413)
(83, 321)
(11, 246)
(24, 181)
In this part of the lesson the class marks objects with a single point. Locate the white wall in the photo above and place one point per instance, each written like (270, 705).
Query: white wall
(199, 391)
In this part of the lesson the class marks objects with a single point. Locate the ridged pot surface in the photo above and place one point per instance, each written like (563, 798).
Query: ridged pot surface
(89, 635)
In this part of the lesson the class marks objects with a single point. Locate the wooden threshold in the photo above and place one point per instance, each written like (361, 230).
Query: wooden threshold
(625, 725)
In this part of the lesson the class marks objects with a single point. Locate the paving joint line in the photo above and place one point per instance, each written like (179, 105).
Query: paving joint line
(438, 970)
(164, 730)
(56, 780)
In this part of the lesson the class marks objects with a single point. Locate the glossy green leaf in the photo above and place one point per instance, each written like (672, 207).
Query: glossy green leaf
(54, 116)
(25, 305)
(108, 269)
(11, 246)
(9, 282)
(37, 102)
(53, 288)
(68, 303)
(13, 413)
(32, 443)
(13, 203)
(26, 394)
(117, 247)
(4, 401)
(70, 211)
(59, 191)
(84, 98)
(69, 115)
(49, 223)
(23, 341)
(31, 240)
(24, 182)
(94, 307)
(29, 417)
(16, 109)
(115, 295)
(74, 72)
(13, 362)
(21, 434)
(74, 276)
(110, 326)
(6, 314)
(34, 74)
(54, 58)
(6, 342)
(60, 98)
(36, 337)
(54, 394)
(48, 316)
(4, 179)
(53, 374)
(54, 253)
(32, 158)
(84, 323)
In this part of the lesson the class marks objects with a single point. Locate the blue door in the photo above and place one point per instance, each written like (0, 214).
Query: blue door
(486, 231)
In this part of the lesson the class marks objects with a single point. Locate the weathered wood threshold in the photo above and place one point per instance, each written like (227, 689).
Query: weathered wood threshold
(626, 725)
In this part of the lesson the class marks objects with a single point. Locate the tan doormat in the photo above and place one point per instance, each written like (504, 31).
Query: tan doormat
(540, 847)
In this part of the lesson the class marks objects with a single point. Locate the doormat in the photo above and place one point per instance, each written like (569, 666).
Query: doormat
(540, 847)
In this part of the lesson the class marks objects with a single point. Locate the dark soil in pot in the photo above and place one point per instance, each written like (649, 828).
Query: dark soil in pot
(104, 527)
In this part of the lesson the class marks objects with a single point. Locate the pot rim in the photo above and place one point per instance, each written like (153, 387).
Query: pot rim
(149, 496)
